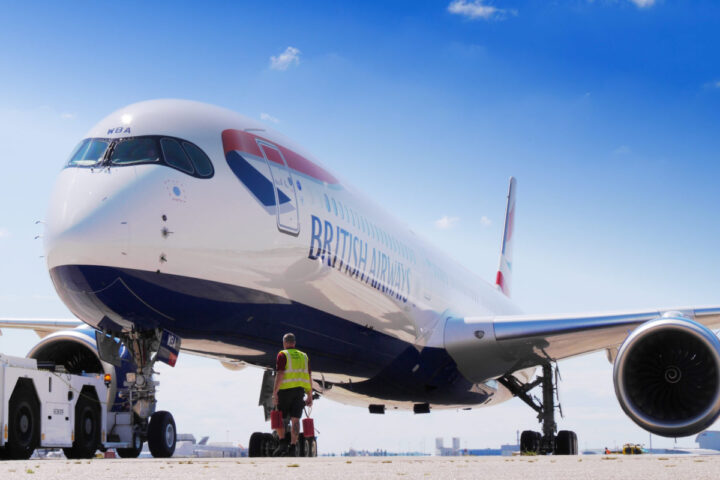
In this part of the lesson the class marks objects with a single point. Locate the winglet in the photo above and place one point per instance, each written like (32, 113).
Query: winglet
(504, 274)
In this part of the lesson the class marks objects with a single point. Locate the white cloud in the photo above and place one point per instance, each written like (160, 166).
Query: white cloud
(643, 3)
(622, 150)
(477, 9)
(485, 221)
(4, 233)
(291, 56)
(446, 222)
(266, 117)
(67, 116)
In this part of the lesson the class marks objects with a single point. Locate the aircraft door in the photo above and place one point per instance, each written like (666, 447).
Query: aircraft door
(288, 219)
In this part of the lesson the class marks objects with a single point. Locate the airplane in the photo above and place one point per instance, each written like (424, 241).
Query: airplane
(181, 226)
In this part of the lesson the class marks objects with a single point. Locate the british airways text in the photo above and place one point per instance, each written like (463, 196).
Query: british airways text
(342, 250)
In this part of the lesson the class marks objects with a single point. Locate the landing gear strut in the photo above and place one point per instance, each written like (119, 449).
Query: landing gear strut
(565, 442)
(138, 390)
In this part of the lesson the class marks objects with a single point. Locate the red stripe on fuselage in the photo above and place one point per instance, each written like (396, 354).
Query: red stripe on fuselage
(247, 142)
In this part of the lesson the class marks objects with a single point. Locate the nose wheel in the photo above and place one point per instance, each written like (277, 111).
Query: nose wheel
(162, 435)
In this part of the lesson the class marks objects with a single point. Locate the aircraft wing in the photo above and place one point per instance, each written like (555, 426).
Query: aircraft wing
(521, 341)
(42, 326)
(565, 336)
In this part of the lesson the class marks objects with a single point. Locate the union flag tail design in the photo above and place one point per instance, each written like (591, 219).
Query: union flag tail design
(504, 274)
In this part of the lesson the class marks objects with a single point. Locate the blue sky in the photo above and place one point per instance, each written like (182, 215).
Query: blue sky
(605, 111)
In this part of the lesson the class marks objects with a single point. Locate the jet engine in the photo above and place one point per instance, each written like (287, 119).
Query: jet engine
(76, 350)
(667, 376)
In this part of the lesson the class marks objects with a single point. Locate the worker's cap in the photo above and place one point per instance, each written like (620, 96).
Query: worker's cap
(289, 338)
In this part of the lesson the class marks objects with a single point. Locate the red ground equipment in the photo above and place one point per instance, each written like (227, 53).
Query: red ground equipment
(276, 419)
(308, 427)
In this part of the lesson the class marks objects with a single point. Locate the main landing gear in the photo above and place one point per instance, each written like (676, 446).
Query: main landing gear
(138, 388)
(264, 444)
(547, 442)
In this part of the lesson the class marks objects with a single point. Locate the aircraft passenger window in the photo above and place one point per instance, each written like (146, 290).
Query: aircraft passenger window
(175, 155)
(342, 210)
(335, 207)
(88, 152)
(135, 150)
(201, 162)
(327, 202)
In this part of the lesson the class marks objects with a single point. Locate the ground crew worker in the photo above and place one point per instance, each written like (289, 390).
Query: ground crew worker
(292, 383)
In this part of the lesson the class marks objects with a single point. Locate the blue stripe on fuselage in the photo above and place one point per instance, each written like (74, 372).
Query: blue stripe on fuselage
(230, 321)
(260, 186)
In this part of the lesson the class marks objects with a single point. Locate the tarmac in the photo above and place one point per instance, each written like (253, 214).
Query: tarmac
(605, 467)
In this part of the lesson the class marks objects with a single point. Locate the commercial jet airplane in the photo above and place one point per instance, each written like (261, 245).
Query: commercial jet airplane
(180, 226)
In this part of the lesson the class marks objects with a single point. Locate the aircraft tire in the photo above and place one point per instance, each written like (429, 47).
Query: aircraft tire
(255, 445)
(311, 447)
(162, 435)
(87, 430)
(529, 442)
(132, 452)
(268, 445)
(566, 443)
(24, 424)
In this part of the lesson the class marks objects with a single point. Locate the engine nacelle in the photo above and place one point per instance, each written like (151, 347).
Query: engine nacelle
(667, 376)
(76, 350)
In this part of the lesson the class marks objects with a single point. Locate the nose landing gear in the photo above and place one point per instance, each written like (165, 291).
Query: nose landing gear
(138, 388)
(547, 442)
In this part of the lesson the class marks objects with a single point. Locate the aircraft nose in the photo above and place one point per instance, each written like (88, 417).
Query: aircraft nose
(86, 223)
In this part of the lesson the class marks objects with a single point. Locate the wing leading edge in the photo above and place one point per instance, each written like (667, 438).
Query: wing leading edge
(486, 347)
(42, 326)
(564, 336)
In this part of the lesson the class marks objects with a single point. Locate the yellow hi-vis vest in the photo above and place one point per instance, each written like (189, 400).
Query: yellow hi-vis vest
(297, 373)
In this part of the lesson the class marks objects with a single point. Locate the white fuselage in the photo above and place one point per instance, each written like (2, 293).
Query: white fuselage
(319, 244)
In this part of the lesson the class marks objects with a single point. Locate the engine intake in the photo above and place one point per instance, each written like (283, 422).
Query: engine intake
(667, 377)
(77, 351)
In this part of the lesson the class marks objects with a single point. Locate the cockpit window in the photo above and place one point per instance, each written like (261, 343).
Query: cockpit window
(135, 150)
(89, 152)
(175, 155)
(150, 149)
(202, 163)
